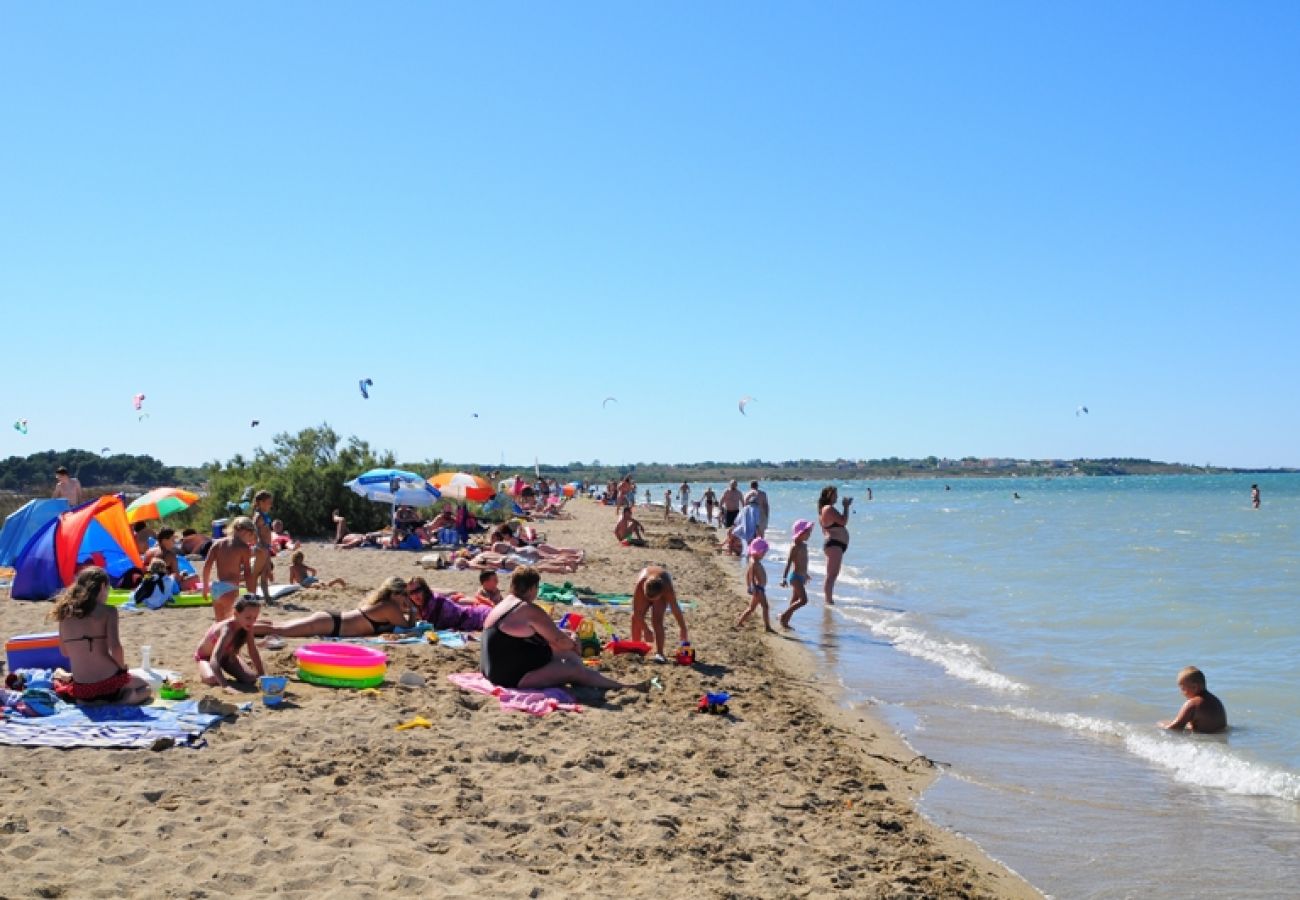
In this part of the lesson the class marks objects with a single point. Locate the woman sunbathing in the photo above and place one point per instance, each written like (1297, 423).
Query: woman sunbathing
(504, 540)
(494, 561)
(387, 608)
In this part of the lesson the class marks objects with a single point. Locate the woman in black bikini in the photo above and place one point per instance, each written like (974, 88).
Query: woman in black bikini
(387, 608)
(521, 647)
(88, 638)
(835, 530)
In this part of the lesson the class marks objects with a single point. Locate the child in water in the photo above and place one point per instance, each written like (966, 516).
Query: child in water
(218, 652)
(798, 579)
(1203, 712)
(756, 585)
(305, 576)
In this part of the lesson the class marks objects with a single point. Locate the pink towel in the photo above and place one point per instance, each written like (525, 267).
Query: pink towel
(535, 703)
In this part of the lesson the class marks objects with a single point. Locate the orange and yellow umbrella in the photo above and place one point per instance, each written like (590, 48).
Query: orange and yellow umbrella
(463, 486)
(158, 503)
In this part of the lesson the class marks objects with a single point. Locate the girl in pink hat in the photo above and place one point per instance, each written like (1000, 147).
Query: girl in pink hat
(756, 584)
(798, 561)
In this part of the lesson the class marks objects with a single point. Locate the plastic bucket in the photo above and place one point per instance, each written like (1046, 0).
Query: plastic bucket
(272, 689)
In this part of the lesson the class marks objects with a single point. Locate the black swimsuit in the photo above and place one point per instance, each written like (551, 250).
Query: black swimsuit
(504, 658)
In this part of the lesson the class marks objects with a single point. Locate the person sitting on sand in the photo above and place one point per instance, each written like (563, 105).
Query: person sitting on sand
(304, 575)
(489, 592)
(1203, 712)
(218, 652)
(522, 648)
(654, 593)
(140, 531)
(628, 530)
(165, 550)
(281, 540)
(387, 608)
(88, 637)
(232, 558)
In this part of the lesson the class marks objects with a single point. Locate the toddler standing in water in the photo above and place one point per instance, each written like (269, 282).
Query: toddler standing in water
(798, 579)
(756, 584)
(218, 652)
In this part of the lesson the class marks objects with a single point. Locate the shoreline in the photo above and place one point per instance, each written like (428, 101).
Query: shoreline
(793, 795)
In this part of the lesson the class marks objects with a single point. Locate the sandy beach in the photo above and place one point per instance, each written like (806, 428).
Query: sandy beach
(639, 795)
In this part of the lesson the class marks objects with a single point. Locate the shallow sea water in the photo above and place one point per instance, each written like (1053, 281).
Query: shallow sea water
(1030, 645)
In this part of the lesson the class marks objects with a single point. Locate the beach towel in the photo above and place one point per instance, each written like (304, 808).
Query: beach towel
(746, 527)
(535, 703)
(570, 595)
(122, 727)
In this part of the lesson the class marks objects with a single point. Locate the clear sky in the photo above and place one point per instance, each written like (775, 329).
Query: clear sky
(903, 228)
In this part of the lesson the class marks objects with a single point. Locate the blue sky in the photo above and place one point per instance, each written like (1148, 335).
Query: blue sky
(904, 229)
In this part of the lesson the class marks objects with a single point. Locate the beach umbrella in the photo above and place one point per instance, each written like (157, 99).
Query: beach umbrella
(463, 486)
(158, 503)
(395, 486)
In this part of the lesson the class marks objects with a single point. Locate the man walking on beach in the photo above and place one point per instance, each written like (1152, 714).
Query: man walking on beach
(69, 488)
(730, 501)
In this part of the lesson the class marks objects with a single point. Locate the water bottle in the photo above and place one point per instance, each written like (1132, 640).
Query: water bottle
(145, 652)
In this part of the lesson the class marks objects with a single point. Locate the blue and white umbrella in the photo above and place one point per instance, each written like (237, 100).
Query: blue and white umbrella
(395, 486)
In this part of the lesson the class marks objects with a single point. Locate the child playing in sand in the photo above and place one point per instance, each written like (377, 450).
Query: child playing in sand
(218, 652)
(756, 585)
(1203, 712)
(489, 594)
(797, 579)
(305, 576)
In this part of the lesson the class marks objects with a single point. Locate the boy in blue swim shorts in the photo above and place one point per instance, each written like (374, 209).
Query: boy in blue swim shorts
(798, 561)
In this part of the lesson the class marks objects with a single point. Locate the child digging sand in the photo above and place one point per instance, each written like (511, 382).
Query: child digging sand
(756, 585)
(798, 579)
(1203, 712)
(218, 652)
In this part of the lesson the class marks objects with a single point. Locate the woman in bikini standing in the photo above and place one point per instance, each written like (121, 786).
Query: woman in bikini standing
(88, 638)
(835, 530)
(388, 608)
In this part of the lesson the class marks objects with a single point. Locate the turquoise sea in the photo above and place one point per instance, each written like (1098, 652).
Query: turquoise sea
(1030, 645)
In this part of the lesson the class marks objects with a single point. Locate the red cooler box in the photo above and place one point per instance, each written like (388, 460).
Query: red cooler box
(35, 651)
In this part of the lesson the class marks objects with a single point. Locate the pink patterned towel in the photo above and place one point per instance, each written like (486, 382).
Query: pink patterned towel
(535, 703)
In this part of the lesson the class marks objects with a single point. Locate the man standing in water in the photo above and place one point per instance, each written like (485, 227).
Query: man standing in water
(730, 502)
(1254, 496)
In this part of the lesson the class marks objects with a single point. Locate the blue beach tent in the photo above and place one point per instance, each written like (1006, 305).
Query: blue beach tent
(25, 522)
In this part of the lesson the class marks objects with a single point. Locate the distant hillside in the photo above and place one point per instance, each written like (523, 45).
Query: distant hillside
(35, 473)
(846, 469)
